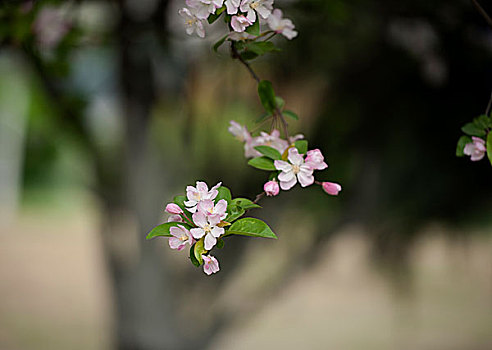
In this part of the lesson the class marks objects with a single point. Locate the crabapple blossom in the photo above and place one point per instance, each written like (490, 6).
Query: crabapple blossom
(476, 149)
(208, 208)
(232, 6)
(238, 130)
(251, 7)
(294, 170)
(192, 22)
(315, 160)
(235, 36)
(210, 264)
(272, 140)
(281, 25)
(175, 218)
(207, 226)
(172, 208)
(181, 236)
(204, 8)
(240, 23)
(331, 188)
(198, 193)
(271, 188)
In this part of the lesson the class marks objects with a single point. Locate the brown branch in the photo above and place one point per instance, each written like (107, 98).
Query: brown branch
(482, 12)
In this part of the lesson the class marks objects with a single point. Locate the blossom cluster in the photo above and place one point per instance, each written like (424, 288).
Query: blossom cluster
(239, 14)
(203, 217)
(477, 143)
(290, 160)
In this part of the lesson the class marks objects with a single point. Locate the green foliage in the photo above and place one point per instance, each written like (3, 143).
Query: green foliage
(245, 203)
(262, 163)
(193, 259)
(254, 29)
(302, 146)
(219, 43)
(224, 193)
(163, 230)
(234, 213)
(215, 16)
(251, 227)
(220, 243)
(198, 250)
(290, 114)
(269, 152)
(280, 102)
(267, 96)
(462, 142)
(473, 130)
(261, 47)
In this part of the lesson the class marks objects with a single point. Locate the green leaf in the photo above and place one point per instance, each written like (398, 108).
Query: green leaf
(249, 55)
(483, 122)
(219, 43)
(280, 102)
(163, 230)
(269, 152)
(215, 16)
(291, 114)
(489, 147)
(462, 142)
(472, 130)
(267, 96)
(179, 200)
(261, 47)
(193, 259)
(199, 250)
(262, 163)
(254, 29)
(220, 243)
(245, 203)
(251, 227)
(224, 193)
(302, 146)
(235, 212)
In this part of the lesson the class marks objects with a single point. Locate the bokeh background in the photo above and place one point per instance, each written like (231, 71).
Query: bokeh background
(108, 110)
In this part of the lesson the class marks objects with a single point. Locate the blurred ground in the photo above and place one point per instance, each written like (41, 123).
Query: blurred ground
(54, 293)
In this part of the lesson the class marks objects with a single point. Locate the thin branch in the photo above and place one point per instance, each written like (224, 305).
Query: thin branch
(236, 55)
(482, 12)
(489, 106)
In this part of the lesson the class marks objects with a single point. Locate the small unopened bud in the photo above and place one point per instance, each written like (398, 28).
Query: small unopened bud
(172, 208)
(271, 188)
(331, 188)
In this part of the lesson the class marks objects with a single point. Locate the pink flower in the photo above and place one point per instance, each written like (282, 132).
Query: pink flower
(240, 131)
(271, 188)
(207, 226)
(281, 25)
(263, 7)
(172, 208)
(211, 265)
(193, 22)
(315, 160)
(203, 8)
(181, 236)
(208, 208)
(476, 149)
(232, 6)
(175, 218)
(272, 140)
(240, 23)
(331, 188)
(294, 171)
(199, 193)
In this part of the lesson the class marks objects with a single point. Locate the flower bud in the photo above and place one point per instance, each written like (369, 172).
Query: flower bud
(172, 208)
(271, 188)
(331, 188)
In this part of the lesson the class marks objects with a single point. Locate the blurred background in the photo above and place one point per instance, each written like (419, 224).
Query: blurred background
(108, 110)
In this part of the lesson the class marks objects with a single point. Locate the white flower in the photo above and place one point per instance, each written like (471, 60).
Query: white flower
(192, 22)
(251, 7)
(232, 6)
(210, 264)
(208, 208)
(238, 130)
(240, 23)
(199, 193)
(207, 226)
(203, 8)
(272, 140)
(294, 171)
(281, 25)
(476, 149)
(180, 236)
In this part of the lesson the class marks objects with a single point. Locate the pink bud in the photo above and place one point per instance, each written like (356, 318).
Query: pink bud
(271, 188)
(332, 188)
(172, 208)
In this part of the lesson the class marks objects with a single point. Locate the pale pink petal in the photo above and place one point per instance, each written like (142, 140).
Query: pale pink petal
(294, 156)
(176, 231)
(287, 185)
(214, 219)
(282, 165)
(286, 176)
(305, 179)
(197, 233)
(199, 219)
(221, 207)
(217, 231)
(206, 206)
(210, 241)
(175, 243)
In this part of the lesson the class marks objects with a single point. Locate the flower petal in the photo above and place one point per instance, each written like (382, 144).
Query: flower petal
(210, 241)
(197, 233)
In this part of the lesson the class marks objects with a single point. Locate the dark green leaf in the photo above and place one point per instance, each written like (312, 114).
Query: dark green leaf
(219, 43)
(163, 230)
(215, 16)
(483, 122)
(472, 130)
(220, 243)
(302, 146)
(290, 114)
(261, 47)
(267, 96)
(249, 55)
(254, 29)
(193, 259)
(224, 193)
(462, 142)
(262, 163)
(251, 227)
(234, 213)
(245, 203)
(489, 147)
(269, 152)
(280, 102)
